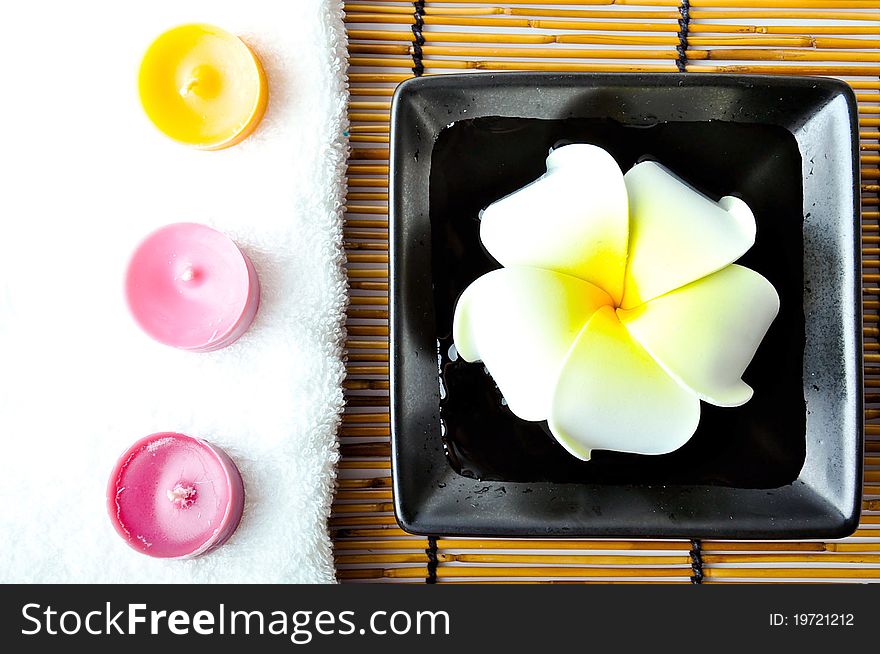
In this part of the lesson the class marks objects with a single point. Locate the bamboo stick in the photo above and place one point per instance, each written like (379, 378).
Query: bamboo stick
(357, 574)
(757, 4)
(563, 582)
(369, 117)
(479, 572)
(764, 40)
(485, 571)
(607, 559)
(362, 495)
(352, 233)
(452, 11)
(364, 431)
(342, 522)
(372, 78)
(359, 91)
(696, 14)
(368, 105)
(356, 257)
(447, 544)
(507, 65)
(358, 222)
(732, 54)
(376, 357)
(368, 138)
(365, 385)
(378, 507)
(736, 54)
(804, 573)
(581, 560)
(367, 400)
(368, 195)
(364, 465)
(356, 559)
(566, 559)
(367, 314)
(710, 559)
(378, 531)
(792, 69)
(368, 182)
(771, 546)
(353, 451)
(362, 129)
(370, 482)
(368, 273)
(368, 286)
(612, 26)
(374, 244)
(611, 545)
(371, 153)
(541, 53)
(367, 169)
(367, 330)
(778, 549)
(364, 418)
(359, 344)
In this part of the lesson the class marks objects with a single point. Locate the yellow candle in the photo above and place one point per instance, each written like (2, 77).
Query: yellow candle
(203, 86)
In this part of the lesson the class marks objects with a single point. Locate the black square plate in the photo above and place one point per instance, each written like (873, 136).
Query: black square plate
(785, 465)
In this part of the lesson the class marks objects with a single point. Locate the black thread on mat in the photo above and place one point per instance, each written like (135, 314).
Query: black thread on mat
(696, 562)
(684, 24)
(418, 15)
(432, 560)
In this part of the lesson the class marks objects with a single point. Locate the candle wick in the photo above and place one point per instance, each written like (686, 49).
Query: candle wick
(188, 274)
(191, 83)
(182, 496)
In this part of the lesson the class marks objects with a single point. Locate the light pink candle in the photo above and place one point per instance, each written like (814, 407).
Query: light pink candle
(174, 496)
(189, 286)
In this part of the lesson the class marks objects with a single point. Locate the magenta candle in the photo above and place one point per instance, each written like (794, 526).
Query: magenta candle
(174, 496)
(189, 286)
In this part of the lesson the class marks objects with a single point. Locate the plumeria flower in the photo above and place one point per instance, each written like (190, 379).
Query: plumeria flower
(618, 307)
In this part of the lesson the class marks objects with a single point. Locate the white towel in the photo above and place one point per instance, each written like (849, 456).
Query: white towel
(84, 177)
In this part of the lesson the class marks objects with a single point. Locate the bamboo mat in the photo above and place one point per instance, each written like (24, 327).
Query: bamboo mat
(392, 39)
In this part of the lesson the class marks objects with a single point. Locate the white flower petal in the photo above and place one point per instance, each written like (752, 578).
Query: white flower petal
(521, 322)
(612, 395)
(677, 234)
(573, 220)
(706, 333)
